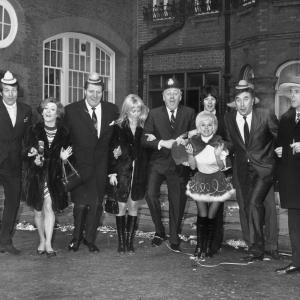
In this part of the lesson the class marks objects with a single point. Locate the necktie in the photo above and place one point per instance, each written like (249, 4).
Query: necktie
(94, 119)
(172, 121)
(297, 117)
(246, 131)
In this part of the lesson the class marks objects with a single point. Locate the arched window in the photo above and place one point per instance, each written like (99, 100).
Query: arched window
(8, 24)
(284, 72)
(68, 59)
(247, 73)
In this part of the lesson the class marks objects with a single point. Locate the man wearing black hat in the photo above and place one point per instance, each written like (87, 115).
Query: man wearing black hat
(167, 123)
(89, 122)
(15, 118)
(251, 134)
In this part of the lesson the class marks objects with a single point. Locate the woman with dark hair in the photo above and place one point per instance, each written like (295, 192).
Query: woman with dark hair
(46, 146)
(128, 167)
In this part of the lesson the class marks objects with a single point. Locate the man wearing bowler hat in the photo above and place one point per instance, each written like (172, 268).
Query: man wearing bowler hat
(89, 122)
(15, 118)
(251, 133)
(167, 123)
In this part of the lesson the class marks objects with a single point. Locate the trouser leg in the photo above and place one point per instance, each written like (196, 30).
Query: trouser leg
(294, 228)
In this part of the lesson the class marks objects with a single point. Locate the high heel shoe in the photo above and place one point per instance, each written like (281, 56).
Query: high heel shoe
(40, 252)
(51, 253)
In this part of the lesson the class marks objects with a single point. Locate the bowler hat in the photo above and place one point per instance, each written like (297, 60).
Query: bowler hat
(8, 78)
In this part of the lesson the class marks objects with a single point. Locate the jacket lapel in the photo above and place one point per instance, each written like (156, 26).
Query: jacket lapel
(4, 114)
(166, 119)
(236, 129)
(86, 116)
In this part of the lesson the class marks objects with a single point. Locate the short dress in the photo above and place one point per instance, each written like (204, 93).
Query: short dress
(209, 184)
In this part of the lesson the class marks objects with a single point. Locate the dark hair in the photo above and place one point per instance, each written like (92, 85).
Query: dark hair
(60, 107)
(101, 83)
(15, 85)
(210, 90)
(248, 90)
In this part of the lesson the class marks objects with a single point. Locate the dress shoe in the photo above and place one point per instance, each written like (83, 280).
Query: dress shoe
(74, 245)
(253, 257)
(157, 240)
(92, 247)
(272, 254)
(51, 253)
(40, 252)
(175, 248)
(9, 249)
(290, 269)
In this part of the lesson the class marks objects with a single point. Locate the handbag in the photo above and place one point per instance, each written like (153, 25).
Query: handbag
(72, 179)
(111, 204)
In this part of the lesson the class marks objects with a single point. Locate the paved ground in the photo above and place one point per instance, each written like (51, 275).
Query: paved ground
(152, 273)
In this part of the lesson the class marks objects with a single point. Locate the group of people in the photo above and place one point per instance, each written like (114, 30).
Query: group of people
(135, 151)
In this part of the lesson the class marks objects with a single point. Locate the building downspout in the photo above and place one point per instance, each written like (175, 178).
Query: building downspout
(227, 67)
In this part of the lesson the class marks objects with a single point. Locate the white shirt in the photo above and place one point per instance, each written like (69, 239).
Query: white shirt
(174, 113)
(98, 112)
(12, 111)
(240, 122)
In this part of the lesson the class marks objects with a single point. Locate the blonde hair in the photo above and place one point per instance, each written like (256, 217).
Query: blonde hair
(129, 102)
(206, 115)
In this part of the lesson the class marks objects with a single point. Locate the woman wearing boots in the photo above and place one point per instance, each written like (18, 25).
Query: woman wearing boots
(128, 168)
(46, 146)
(208, 187)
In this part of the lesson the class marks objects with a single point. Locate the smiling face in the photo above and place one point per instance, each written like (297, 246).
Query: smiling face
(9, 94)
(93, 94)
(50, 114)
(295, 97)
(206, 127)
(244, 103)
(172, 97)
(134, 112)
(209, 103)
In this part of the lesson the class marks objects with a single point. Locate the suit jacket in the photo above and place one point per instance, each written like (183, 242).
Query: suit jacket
(260, 150)
(158, 124)
(90, 152)
(11, 138)
(289, 164)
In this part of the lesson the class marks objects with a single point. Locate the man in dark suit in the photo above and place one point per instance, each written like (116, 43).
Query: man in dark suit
(15, 118)
(167, 123)
(251, 134)
(89, 122)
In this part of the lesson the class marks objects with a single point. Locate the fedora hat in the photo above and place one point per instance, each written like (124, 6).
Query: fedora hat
(294, 81)
(94, 78)
(8, 78)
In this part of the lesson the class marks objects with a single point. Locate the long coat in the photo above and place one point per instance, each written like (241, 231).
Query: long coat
(289, 164)
(132, 151)
(90, 152)
(51, 171)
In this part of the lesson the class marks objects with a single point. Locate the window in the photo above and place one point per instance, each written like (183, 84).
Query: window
(163, 9)
(191, 84)
(206, 6)
(68, 59)
(8, 24)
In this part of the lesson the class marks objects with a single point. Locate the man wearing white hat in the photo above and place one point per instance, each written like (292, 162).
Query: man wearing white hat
(288, 151)
(89, 122)
(15, 117)
(251, 133)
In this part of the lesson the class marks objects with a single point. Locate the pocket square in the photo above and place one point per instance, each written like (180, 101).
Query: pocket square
(111, 123)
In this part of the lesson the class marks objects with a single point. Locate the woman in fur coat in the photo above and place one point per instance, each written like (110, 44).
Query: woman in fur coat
(128, 165)
(46, 146)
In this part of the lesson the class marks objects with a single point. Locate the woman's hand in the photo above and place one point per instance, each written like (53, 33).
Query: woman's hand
(113, 179)
(117, 152)
(32, 152)
(39, 160)
(65, 153)
(278, 151)
(219, 149)
(189, 149)
(150, 137)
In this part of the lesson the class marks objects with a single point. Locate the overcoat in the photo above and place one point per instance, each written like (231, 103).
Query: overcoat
(289, 164)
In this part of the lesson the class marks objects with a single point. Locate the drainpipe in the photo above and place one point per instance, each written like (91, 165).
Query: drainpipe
(149, 44)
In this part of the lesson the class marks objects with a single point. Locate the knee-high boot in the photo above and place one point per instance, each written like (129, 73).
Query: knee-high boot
(201, 237)
(210, 236)
(130, 232)
(120, 221)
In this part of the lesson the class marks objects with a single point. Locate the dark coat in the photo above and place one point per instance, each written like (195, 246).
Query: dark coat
(90, 152)
(289, 164)
(132, 151)
(11, 138)
(51, 171)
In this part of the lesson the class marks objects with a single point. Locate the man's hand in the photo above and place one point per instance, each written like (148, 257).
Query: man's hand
(150, 137)
(39, 160)
(189, 149)
(296, 147)
(278, 151)
(32, 152)
(113, 179)
(117, 152)
(167, 143)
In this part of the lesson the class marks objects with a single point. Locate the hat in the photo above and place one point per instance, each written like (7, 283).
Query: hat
(233, 105)
(293, 81)
(171, 83)
(8, 78)
(95, 78)
(243, 85)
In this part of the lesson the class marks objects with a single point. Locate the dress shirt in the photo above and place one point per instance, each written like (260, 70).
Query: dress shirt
(98, 112)
(12, 111)
(240, 122)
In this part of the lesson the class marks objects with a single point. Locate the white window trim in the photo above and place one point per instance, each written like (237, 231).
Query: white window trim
(14, 24)
(65, 46)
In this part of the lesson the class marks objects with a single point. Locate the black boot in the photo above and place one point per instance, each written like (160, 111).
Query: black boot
(210, 236)
(120, 221)
(130, 232)
(201, 237)
(79, 213)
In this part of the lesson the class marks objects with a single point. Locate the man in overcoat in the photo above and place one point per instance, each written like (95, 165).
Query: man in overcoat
(15, 118)
(288, 151)
(167, 123)
(251, 133)
(89, 122)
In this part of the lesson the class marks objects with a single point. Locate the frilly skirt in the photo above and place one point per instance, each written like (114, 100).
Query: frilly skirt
(213, 187)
